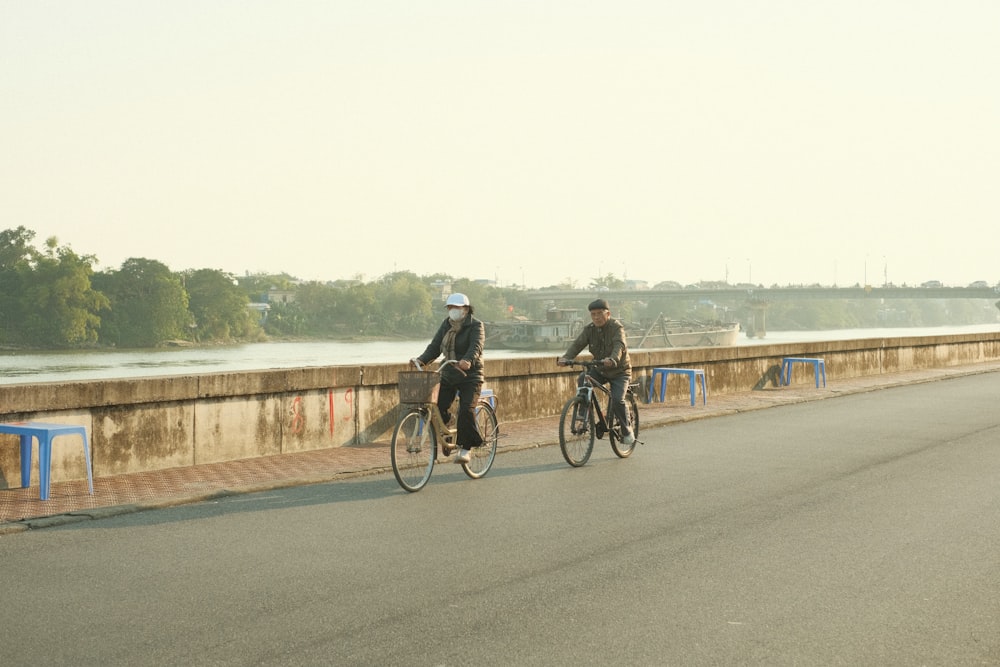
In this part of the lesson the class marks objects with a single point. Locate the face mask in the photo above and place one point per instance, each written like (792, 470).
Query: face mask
(456, 314)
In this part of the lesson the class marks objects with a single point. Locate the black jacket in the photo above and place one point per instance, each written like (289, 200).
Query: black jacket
(468, 345)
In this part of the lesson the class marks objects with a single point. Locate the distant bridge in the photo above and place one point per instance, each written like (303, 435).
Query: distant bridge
(757, 300)
(769, 294)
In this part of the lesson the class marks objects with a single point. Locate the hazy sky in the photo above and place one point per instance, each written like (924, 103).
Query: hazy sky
(529, 141)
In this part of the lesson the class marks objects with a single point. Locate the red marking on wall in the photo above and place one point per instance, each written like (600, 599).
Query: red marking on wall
(298, 419)
(348, 401)
(330, 399)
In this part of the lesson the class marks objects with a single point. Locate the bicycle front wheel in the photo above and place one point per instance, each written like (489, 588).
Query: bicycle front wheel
(482, 456)
(619, 447)
(414, 447)
(576, 431)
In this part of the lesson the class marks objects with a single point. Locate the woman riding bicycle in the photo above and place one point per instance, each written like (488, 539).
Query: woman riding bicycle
(605, 339)
(460, 336)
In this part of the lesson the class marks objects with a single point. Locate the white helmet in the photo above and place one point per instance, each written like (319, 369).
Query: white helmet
(457, 299)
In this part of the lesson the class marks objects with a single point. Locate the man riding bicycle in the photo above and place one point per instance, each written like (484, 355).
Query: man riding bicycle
(605, 339)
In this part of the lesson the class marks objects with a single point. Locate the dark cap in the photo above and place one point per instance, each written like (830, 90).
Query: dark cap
(600, 304)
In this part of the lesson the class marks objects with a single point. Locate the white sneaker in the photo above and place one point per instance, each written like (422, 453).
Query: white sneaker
(463, 456)
(629, 439)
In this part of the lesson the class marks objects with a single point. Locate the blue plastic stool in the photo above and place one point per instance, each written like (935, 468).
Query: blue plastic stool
(691, 373)
(819, 368)
(45, 434)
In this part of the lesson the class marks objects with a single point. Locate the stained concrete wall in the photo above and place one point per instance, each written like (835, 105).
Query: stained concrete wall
(144, 424)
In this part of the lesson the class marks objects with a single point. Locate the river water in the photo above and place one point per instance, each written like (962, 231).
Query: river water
(18, 367)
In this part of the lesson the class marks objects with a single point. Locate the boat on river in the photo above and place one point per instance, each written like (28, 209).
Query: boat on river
(559, 328)
(562, 325)
(665, 332)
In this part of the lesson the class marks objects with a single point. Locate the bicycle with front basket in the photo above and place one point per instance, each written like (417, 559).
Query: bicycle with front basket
(421, 433)
(583, 419)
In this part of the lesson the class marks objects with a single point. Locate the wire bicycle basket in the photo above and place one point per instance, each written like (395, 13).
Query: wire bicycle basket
(418, 386)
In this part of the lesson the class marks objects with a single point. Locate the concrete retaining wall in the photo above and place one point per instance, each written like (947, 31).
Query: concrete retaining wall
(144, 424)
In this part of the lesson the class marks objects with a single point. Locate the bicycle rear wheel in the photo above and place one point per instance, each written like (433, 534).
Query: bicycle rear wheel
(617, 446)
(414, 447)
(482, 456)
(576, 431)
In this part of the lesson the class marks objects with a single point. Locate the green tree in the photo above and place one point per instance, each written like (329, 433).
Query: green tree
(219, 307)
(258, 285)
(344, 308)
(320, 306)
(285, 319)
(405, 305)
(489, 302)
(149, 304)
(357, 307)
(17, 258)
(16, 247)
(58, 306)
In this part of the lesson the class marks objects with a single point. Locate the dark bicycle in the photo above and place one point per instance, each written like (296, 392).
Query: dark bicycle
(583, 419)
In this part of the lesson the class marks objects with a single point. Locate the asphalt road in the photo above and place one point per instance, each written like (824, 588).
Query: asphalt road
(859, 530)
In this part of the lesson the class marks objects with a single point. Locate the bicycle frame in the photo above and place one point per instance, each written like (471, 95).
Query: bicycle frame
(434, 415)
(421, 435)
(590, 384)
(584, 418)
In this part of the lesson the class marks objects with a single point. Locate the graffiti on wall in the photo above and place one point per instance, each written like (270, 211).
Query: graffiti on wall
(338, 406)
(298, 421)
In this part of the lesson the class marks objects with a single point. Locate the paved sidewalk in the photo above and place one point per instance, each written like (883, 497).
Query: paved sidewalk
(21, 509)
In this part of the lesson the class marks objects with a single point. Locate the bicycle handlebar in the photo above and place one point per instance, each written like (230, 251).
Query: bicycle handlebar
(596, 363)
(446, 362)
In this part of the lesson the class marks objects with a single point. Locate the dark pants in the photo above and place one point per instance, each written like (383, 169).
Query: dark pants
(618, 386)
(468, 435)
